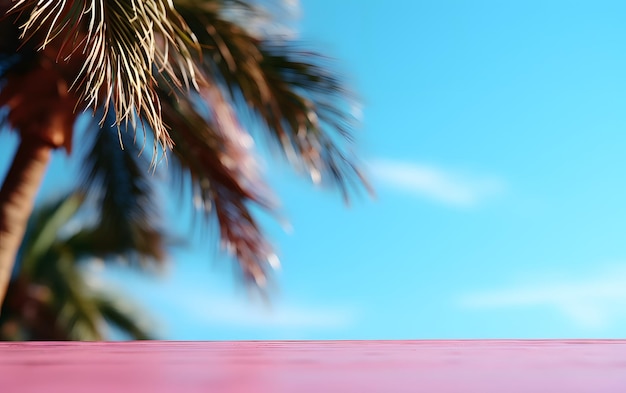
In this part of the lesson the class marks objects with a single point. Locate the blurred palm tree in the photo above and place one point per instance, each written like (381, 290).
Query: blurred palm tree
(188, 76)
(50, 297)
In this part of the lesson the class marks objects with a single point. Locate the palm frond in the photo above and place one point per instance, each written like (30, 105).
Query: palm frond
(42, 232)
(221, 170)
(122, 41)
(120, 182)
(119, 314)
(125, 41)
(50, 297)
(77, 313)
(310, 113)
(303, 107)
(190, 72)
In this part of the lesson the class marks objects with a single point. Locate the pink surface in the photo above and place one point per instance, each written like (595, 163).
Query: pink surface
(316, 366)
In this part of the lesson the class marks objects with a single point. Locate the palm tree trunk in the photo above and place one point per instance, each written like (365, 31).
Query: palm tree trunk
(17, 198)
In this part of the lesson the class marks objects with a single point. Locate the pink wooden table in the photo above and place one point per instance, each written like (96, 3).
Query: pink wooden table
(316, 366)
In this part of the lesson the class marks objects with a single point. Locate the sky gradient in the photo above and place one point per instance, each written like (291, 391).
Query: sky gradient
(494, 135)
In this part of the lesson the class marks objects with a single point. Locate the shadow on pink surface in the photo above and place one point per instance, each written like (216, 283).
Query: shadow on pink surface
(316, 366)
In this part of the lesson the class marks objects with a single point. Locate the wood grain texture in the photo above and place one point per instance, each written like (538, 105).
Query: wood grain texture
(316, 366)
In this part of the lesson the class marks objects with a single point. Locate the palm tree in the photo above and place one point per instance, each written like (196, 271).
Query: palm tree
(49, 298)
(189, 79)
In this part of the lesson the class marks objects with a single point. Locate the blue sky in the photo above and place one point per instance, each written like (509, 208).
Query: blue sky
(495, 135)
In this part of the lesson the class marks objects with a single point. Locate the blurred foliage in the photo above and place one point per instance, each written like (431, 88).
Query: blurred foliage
(51, 296)
(199, 81)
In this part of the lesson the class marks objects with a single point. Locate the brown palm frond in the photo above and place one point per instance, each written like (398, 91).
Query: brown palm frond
(304, 108)
(221, 170)
(125, 41)
(190, 70)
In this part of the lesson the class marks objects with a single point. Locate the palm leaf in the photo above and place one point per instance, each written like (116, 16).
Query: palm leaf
(121, 315)
(45, 227)
(303, 107)
(120, 183)
(126, 41)
(220, 168)
(77, 313)
(42, 232)
(121, 42)
(189, 72)
(50, 297)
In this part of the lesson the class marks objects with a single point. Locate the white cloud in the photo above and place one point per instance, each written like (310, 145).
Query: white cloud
(591, 302)
(427, 181)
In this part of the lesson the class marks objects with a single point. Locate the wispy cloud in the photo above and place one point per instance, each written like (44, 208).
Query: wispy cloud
(426, 181)
(591, 302)
(192, 298)
(226, 311)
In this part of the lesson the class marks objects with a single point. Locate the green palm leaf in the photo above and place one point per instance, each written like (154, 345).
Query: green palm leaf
(49, 296)
(119, 313)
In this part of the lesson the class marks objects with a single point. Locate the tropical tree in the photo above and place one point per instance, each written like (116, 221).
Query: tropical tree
(193, 82)
(49, 296)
